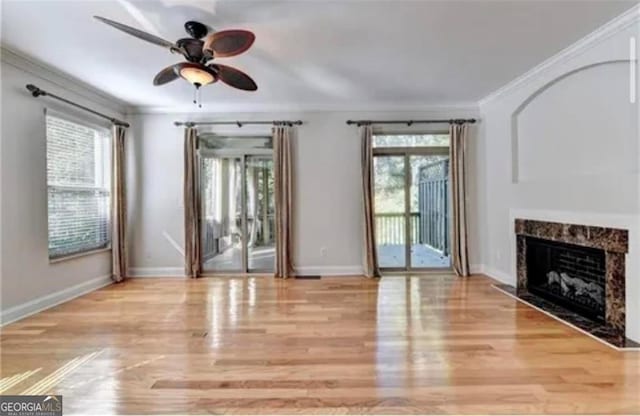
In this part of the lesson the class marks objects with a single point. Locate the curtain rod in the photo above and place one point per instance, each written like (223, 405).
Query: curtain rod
(410, 122)
(238, 123)
(37, 92)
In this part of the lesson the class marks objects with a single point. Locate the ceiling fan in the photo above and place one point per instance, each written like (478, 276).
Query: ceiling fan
(200, 50)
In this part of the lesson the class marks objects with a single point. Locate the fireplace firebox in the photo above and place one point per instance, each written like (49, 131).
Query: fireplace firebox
(569, 275)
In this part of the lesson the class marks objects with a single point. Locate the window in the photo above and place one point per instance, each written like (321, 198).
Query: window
(410, 140)
(214, 141)
(78, 186)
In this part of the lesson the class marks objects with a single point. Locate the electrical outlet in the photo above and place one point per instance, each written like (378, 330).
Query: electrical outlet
(323, 251)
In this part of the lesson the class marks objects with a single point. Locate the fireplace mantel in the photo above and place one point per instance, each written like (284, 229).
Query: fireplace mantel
(608, 239)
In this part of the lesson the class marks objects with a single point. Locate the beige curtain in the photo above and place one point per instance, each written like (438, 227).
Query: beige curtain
(371, 268)
(284, 200)
(459, 250)
(191, 204)
(118, 205)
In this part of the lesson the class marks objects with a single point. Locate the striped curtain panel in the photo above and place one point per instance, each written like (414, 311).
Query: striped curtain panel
(457, 156)
(370, 259)
(118, 205)
(283, 177)
(191, 204)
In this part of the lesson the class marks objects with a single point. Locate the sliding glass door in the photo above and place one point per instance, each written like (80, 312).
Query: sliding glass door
(411, 201)
(237, 207)
(221, 213)
(429, 210)
(260, 211)
(390, 216)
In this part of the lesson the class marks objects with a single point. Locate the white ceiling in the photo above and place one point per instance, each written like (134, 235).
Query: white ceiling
(309, 54)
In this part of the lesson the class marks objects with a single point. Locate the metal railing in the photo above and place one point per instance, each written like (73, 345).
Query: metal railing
(433, 204)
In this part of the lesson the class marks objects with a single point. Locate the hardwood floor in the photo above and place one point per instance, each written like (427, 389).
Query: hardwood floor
(434, 344)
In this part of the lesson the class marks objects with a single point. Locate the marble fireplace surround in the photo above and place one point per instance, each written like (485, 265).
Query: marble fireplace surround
(614, 242)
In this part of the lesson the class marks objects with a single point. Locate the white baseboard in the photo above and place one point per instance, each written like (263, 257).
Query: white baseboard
(500, 276)
(476, 268)
(151, 272)
(496, 274)
(31, 307)
(329, 270)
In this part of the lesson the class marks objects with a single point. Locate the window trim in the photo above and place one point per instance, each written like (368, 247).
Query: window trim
(80, 254)
(89, 122)
(400, 132)
(416, 150)
(76, 117)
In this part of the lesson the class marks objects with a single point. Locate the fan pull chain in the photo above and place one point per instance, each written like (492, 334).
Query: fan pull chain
(197, 96)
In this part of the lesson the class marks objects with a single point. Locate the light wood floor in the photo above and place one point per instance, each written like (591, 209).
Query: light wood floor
(434, 344)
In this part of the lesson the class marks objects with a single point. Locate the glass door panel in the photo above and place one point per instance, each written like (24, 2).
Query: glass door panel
(412, 201)
(390, 211)
(260, 203)
(429, 213)
(221, 211)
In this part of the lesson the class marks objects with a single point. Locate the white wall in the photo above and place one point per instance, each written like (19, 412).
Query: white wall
(561, 144)
(28, 281)
(328, 211)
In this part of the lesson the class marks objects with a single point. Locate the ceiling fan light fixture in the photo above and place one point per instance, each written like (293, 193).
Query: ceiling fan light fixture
(197, 76)
(199, 49)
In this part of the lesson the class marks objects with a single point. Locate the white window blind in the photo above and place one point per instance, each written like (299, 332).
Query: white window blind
(78, 182)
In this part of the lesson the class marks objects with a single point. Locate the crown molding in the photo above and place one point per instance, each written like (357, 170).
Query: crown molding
(623, 21)
(235, 108)
(61, 79)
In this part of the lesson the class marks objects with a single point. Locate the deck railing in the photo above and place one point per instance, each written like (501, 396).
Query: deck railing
(428, 226)
(433, 204)
(390, 228)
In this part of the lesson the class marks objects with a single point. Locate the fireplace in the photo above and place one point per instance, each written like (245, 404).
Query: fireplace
(570, 275)
(576, 273)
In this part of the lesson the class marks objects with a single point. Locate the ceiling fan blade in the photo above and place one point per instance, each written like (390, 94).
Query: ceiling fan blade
(229, 42)
(166, 75)
(140, 34)
(234, 77)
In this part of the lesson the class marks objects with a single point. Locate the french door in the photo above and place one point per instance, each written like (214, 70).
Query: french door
(411, 208)
(237, 211)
